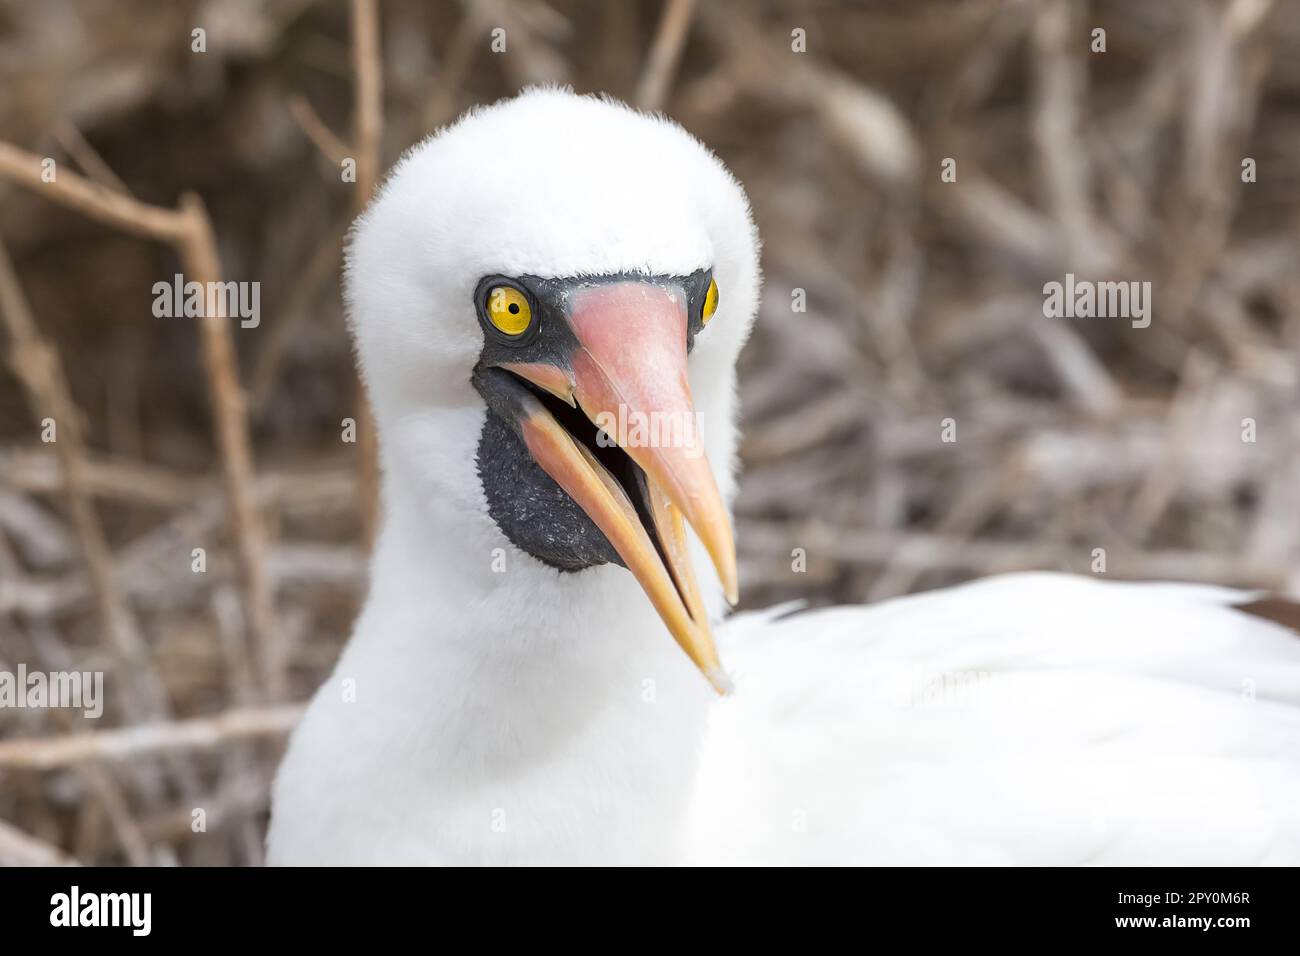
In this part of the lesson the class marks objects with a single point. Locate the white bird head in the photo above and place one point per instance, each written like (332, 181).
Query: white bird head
(543, 266)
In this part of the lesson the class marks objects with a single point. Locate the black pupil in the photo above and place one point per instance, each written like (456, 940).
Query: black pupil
(514, 308)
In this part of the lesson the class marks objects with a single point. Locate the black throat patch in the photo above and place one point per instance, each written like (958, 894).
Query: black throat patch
(535, 513)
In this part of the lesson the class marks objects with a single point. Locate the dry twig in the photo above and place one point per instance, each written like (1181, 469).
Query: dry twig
(37, 364)
(191, 232)
(128, 743)
(665, 53)
(21, 849)
(367, 67)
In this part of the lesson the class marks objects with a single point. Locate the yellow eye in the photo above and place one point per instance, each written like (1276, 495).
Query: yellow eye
(710, 302)
(509, 310)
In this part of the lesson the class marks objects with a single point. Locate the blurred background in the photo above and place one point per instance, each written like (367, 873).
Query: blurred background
(1175, 448)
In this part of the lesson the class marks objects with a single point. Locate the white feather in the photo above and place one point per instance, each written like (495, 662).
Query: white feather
(1032, 719)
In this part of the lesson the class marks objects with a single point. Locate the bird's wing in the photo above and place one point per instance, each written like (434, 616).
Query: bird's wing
(1028, 719)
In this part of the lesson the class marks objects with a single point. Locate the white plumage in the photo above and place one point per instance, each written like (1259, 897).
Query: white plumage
(1027, 719)
(539, 716)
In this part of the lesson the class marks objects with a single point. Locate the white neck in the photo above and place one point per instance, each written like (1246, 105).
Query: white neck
(518, 714)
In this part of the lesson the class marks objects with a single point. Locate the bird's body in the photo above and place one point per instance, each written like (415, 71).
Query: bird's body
(510, 695)
(1022, 719)
(1103, 723)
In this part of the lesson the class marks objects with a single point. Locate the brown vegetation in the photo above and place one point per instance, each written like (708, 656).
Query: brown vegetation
(924, 303)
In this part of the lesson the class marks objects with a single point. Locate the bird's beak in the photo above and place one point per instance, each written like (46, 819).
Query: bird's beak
(627, 374)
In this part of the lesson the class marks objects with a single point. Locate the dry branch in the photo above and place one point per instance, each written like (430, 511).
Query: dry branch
(190, 231)
(127, 743)
(665, 53)
(21, 849)
(199, 253)
(108, 795)
(315, 128)
(91, 163)
(367, 67)
(933, 552)
(37, 365)
(37, 471)
(93, 200)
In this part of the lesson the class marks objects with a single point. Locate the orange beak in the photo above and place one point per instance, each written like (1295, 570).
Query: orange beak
(627, 373)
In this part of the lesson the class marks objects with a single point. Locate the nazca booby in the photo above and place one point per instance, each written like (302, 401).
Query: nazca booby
(511, 693)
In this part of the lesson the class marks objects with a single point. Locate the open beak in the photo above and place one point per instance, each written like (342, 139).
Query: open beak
(626, 373)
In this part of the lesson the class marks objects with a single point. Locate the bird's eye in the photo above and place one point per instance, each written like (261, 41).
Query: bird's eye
(710, 302)
(509, 310)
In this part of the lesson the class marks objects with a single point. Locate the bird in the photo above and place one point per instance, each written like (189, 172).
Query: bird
(547, 300)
